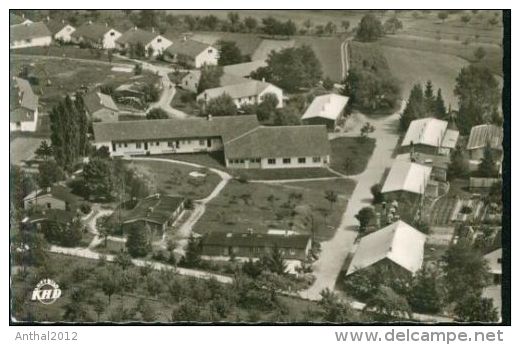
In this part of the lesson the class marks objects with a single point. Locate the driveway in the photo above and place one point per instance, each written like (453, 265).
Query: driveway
(335, 251)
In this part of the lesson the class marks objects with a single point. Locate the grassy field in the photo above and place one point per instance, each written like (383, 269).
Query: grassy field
(413, 66)
(241, 206)
(173, 178)
(350, 155)
(22, 148)
(328, 51)
(492, 59)
(69, 52)
(67, 76)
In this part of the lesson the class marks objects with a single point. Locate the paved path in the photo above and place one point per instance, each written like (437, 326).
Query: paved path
(89, 254)
(93, 61)
(335, 251)
(344, 58)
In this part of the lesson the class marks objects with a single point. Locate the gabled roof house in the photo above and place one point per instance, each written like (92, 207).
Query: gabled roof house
(191, 53)
(325, 110)
(430, 135)
(29, 34)
(23, 106)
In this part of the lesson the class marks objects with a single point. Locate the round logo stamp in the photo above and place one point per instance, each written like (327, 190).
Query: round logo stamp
(46, 291)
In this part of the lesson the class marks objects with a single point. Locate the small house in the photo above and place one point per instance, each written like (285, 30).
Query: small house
(438, 163)
(101, 107)
(429, 135)
(57, 197)
(60, 29)
(23, 106)
(156, 211)
(325, 110)
(398, 247)
(406, 180)
(190, 53)
(101, 36)
(29, 34)
(245, 92)
(494, 262)
(15, 19)
(151, 41)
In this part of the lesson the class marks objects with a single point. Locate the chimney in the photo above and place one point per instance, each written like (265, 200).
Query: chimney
(63, 21)
(153, 30)
(106, 24)
(48, 189)
(263, 80)
(250, 231)
(48, 19)
(135, 28)
(90, 22)
(210, 117)
(184, 38)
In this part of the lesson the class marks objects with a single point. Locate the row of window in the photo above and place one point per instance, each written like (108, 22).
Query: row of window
(157, 143)
(301, 160)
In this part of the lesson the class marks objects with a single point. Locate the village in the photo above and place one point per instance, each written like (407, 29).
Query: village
(158, 159)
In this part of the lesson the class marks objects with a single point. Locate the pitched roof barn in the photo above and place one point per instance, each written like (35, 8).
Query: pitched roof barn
(481, 135)
(431, 132)
(326, 106)
(269, 240)
(156, 209)
(398, 242)
(407, 176)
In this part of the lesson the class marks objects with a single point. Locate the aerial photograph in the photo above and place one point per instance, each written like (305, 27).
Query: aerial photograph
(259, 167)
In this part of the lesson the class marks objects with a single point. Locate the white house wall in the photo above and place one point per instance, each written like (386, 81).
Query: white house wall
(162, 146)
(65, 33)
(208, 57)
(33, 42)
(25, 126)
(279, 164)
(109, 39)
(159, 44)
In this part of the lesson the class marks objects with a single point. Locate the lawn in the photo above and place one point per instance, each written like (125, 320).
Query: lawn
(260, 206)
(113, 247)
(174, 178)
(412, 66)
(185, 101)
(68, 76)
(216, 160)
(69, 51)
(350, 155)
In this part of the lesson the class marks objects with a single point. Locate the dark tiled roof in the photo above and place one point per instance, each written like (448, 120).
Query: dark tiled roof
(22, 98)
(61, 193)
(95, 101)
(56, 25)
(283, 141)
(136, 35)
(223, 239)
(227, 127)
(481, 135)
(55, 215)
(91, 31)
(155, 209)
(187, 47)
(26, 31)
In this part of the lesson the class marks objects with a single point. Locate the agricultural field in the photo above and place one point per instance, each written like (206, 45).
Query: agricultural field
(328, 51)
(261, 206)
(22, 149)
(174, 178)
(413, 66)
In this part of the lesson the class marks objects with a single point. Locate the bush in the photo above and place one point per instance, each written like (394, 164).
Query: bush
(85, 208)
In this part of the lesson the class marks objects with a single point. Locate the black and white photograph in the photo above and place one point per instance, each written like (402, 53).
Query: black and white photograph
(259, 167)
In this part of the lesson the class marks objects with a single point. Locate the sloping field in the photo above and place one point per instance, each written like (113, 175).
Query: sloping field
(328, 51)
(247, 43)
(266, 46)
(414, 66)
